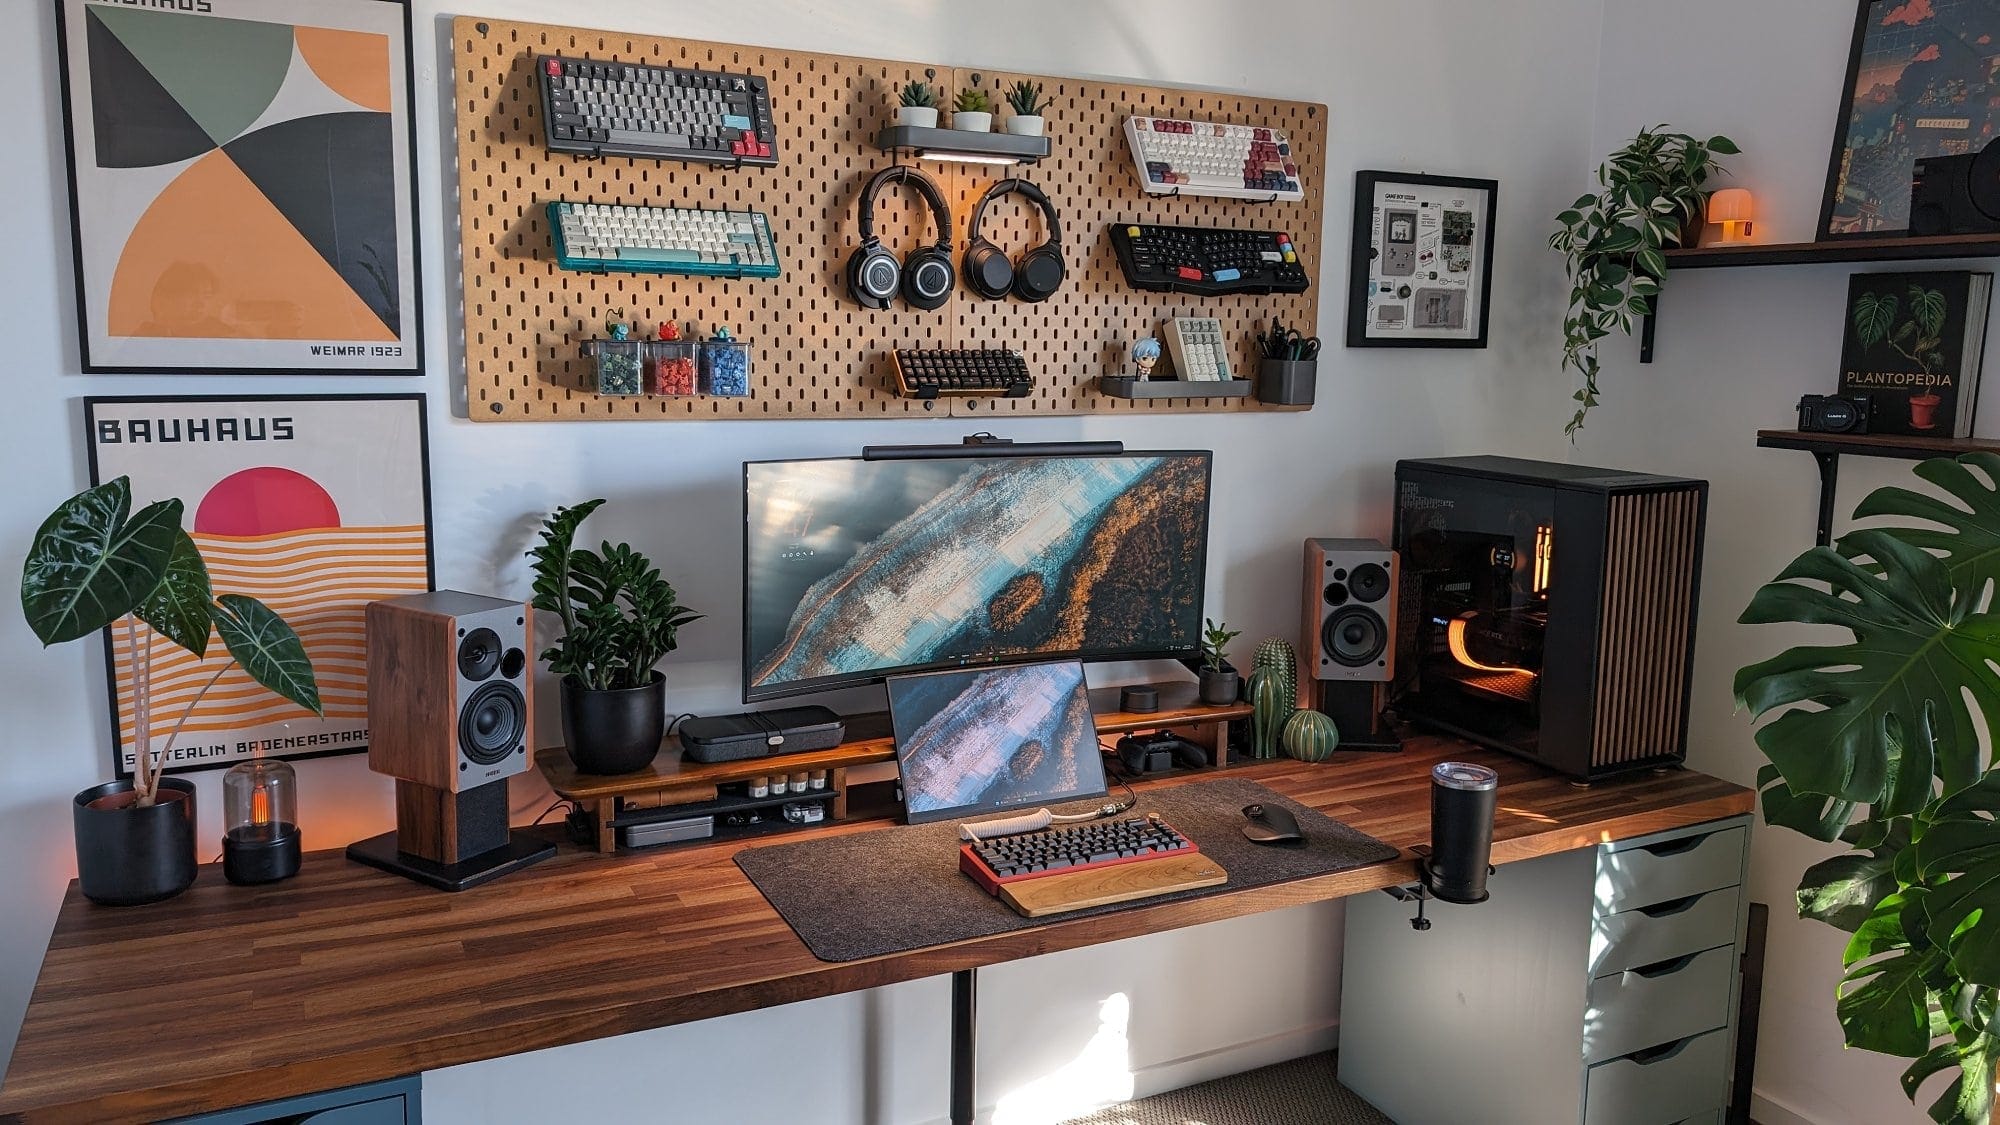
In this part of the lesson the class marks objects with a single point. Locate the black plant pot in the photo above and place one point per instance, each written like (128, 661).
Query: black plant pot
(616, 730)
(126, 855)
(1220, 688)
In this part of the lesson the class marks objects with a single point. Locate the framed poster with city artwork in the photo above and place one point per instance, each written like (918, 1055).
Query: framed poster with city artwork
(242, 185)
(1920, 83)
(315, 506)
(1422, 261)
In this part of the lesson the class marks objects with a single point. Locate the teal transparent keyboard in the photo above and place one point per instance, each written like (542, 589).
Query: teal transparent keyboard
(601, 237)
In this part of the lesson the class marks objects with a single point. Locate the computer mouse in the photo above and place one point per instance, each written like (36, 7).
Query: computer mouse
(1271, 824)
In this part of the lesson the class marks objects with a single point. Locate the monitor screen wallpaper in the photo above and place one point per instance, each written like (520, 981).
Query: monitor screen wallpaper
(994, 739)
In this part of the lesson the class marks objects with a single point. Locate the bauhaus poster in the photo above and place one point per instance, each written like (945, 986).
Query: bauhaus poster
(242, 189)
(315, 506)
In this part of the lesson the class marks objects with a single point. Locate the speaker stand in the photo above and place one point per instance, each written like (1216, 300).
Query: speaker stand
(1356, 711)
(381, 852)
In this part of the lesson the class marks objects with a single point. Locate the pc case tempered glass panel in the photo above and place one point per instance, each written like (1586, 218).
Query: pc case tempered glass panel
(1477, 564)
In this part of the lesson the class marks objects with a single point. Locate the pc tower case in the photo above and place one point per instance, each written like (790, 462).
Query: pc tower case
(1548, 610)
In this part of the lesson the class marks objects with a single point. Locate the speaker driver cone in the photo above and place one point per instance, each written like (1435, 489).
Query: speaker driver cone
(493, 721)
(1354, 636)
(1369, 582)
(479, 654)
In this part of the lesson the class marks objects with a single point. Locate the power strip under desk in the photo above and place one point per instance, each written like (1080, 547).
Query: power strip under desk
(1058, 894)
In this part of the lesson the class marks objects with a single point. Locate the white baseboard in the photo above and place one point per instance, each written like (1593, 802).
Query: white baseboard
(1766, 1110)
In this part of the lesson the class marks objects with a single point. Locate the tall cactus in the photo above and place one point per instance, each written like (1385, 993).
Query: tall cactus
(1310, 736)
(1276, 653)
(1272, 701)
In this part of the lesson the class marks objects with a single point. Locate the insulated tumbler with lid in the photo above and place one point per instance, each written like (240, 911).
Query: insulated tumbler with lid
(1463, 797)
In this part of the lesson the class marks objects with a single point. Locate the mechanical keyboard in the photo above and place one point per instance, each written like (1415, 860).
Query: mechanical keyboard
(599, 237)
(1198, 349)
(930, 372)
(1208, 261)
(667, 112)
(1205, 158)
(994, 863)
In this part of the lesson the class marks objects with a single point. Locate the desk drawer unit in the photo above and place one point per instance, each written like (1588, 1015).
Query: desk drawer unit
(1596, 987)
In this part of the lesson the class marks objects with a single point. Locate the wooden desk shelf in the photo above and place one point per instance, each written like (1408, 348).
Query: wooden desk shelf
(1828, 448)
(672, 780)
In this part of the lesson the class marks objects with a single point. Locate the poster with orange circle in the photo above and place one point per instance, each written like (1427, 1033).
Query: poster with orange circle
(314, 506)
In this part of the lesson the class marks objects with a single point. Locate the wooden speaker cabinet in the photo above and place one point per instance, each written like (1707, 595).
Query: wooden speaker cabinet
(450, 713)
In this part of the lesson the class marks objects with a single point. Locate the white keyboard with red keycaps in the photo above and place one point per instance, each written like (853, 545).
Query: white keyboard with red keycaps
(1206, 158)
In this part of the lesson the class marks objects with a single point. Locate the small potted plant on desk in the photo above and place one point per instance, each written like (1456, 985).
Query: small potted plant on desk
(93, 563)
(620, 617)
(1220, 683)
(919, 107)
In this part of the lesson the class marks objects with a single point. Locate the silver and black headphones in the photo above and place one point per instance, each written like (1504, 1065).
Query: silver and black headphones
(1037, 275)
(926, 277)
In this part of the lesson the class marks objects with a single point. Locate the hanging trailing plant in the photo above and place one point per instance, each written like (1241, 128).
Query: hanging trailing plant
(1613, 241)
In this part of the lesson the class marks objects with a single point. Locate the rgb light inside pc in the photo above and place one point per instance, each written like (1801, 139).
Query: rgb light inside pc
(856, 569)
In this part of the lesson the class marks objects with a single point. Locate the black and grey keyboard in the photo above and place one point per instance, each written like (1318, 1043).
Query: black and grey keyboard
(623, 109)
(1208, 261)
(1072, 847)
(930, 372)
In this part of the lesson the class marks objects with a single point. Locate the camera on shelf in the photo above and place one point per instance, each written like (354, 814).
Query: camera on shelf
(1833, 414)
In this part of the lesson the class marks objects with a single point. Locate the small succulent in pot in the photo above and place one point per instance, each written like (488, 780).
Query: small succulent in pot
(1025, 98)
(919, 106)
(1220, 683)
(972, 111)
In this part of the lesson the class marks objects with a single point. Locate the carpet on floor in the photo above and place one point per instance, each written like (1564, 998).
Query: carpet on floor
(1302, 1091)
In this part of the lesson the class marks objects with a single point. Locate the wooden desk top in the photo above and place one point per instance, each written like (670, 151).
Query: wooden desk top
(227, 996)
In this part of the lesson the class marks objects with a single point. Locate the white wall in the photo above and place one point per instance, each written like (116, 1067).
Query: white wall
(1479, 89)
(1736, 348)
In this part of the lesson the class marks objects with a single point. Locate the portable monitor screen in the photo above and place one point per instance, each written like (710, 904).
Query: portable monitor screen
(993, 739)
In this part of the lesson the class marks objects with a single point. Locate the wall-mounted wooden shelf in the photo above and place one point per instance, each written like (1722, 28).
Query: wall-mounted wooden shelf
(1827, 449)
(1896, 249)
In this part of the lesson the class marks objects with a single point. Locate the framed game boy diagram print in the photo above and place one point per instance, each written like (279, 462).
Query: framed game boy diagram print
(1422, 261)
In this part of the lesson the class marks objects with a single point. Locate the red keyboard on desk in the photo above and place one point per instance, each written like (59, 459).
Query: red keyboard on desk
(1063, 848)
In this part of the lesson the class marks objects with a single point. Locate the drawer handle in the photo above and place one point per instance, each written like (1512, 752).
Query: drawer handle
(1670, 907)
(1674, 847)
(1663, 968)
(1661, 1053)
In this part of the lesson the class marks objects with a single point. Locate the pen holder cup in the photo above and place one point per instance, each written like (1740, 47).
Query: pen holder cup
(1287, 382)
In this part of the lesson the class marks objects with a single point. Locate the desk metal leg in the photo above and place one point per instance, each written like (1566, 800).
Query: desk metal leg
(964, 1025)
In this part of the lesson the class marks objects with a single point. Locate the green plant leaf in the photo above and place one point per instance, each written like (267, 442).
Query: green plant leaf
(1927, 306)
(1844, 890)
(1915, 641)
(1967, 533)
(268, 649)
(1651, 262)
(1723, 145)
(1874, 314)
(93, 561)
(1810, 814)
(179, 606)
(1884, 1004)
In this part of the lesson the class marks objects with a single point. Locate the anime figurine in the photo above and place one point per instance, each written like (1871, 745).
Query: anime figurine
(1145, 356)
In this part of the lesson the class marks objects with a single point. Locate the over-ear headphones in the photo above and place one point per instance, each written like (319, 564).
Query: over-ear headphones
(926, 277)
(1038, 274)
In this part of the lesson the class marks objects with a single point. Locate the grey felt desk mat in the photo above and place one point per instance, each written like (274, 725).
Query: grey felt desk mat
(874, 893)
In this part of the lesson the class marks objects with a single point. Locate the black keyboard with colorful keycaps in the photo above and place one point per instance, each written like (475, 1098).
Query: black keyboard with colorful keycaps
(1208, 261)
(596, 108)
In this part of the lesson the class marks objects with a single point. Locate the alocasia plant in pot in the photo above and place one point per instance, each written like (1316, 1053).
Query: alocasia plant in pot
(95, 563)
(1876, 744)
(620, 617)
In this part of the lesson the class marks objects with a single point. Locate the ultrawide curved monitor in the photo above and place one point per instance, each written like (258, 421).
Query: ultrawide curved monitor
(859, 569)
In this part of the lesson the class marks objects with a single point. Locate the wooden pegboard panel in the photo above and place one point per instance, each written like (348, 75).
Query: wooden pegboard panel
(818, 354)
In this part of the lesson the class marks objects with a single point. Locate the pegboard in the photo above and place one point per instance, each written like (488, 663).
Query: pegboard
(816, 353)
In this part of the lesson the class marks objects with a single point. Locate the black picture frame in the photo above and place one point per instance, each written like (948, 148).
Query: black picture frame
(1955, 128)
(96, 405)
(409, 343)
(1363, 277)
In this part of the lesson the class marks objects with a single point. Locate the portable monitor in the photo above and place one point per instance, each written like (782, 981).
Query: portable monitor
(988, 740)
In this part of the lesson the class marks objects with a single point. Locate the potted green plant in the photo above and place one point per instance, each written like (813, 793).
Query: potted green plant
(1025, 98)
(95, 562)
(620, 617)
(1220, 682)
(1650, 196)
(972, 111)
(919, 106)
(1876, 744)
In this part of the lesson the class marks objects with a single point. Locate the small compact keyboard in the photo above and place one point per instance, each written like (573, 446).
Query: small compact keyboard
(1208, 261)
(1205, 158)
(1070, 847)
(599, 237)
(930, 372)
(1197, 348)
(621, 109)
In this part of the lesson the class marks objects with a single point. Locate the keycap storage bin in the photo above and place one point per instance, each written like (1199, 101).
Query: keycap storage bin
(670, 367)
(617, 366)
(725, 367)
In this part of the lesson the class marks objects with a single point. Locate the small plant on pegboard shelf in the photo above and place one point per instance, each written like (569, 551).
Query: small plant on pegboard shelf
(919, 106)
(972, 112)
(1025, 99)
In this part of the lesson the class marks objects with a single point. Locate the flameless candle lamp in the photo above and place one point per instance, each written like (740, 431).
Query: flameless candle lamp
(260, 813)
(1732, 208)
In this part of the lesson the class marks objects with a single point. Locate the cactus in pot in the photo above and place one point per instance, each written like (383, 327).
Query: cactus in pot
(1310, 736)
(1272, 702)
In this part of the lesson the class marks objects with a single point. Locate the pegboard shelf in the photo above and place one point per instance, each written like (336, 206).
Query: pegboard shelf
(816, 353)
(1131, 386)
(950, 144)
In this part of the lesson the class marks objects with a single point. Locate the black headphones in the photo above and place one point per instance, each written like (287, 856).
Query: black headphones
(926, 277)
(1038, 274)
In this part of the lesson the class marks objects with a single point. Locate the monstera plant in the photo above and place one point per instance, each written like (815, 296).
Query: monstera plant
(1876, 743)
